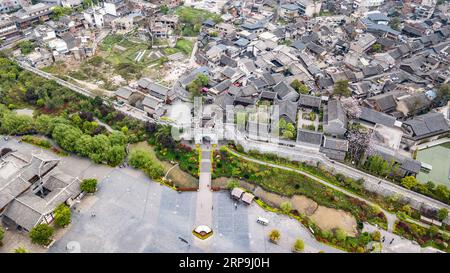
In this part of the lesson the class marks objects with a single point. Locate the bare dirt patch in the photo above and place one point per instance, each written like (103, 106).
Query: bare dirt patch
(269, 198)
(303, 205)
(326, 218)
(329, 219)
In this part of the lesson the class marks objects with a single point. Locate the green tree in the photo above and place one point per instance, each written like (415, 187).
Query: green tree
(41, 234)
(143, 160)
(116, 155)
(164, 9)
(139, 158)
(433, 231)
(442, 214)
(299, 245)
(26, 47)
(376, 236)
(430, 186)
(288, 134)
(340, 234)
(12, 124)
(407, 209)
(100, 146)
(62, 215)
(286, 207)
(274, 236)
(341, 88)
(395, 23)
(66, 136)
(89, 185)
(376, 47)
(299, 87)
(442, 192)
(409, 182)
(443, 92)
(195, 87)
(59, 12)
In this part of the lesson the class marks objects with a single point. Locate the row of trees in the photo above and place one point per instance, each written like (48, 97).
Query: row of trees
(439, 192)
(100, 148)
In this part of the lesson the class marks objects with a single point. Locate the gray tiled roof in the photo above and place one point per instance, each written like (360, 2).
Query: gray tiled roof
(336, 112)
(124, 92)
(428, 124)
(287, 109)
(310, 101)
(151, 102)
(144, 82)
(284, 91)
(309, 137)
(335, 144)
(376, 117)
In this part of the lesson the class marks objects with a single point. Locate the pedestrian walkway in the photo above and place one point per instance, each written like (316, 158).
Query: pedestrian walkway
(204, 198)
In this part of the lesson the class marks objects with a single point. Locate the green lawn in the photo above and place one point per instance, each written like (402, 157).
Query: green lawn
(192, 15)
(439, 158)
(185, 46)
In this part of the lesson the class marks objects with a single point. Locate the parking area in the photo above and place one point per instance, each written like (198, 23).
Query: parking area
(133, 214)
(130, 213)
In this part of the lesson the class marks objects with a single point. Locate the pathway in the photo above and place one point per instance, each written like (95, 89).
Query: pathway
(205, 196)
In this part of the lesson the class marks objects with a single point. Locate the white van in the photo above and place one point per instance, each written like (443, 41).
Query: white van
(262, 221)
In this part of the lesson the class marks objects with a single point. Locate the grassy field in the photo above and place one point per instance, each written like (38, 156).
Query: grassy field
(182, 45)
(192, 19)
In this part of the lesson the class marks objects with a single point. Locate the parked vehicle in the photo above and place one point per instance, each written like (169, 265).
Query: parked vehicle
(262, 221)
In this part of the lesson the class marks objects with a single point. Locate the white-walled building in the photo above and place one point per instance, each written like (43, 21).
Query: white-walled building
(367, 3)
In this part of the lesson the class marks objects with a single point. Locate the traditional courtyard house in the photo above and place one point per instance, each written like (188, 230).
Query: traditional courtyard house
(385, 103)
(427, 126)
(37, 204)
(152, 106)
(412, 104)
